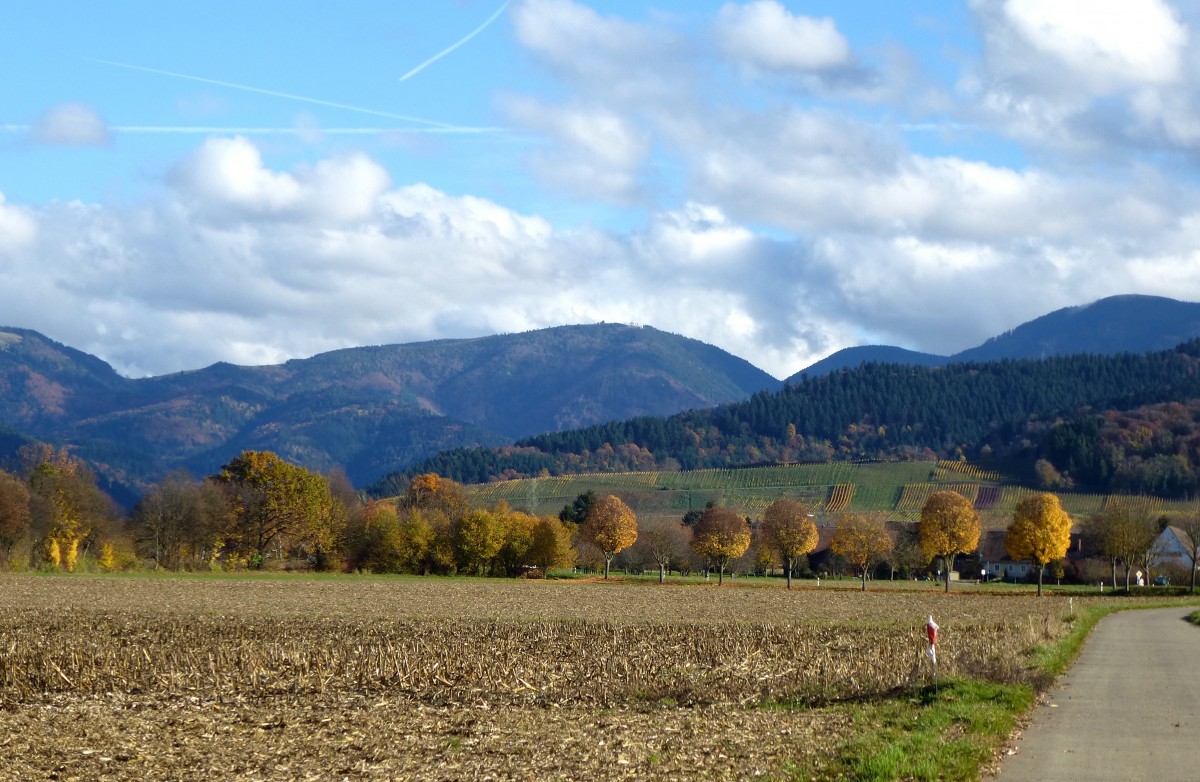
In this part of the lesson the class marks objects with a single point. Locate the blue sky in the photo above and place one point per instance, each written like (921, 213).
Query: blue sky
(190, 182)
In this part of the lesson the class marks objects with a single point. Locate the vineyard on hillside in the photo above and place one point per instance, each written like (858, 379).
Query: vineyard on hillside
(898, 489)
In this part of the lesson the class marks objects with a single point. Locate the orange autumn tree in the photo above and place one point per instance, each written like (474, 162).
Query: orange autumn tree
(610, 526)
(1041, 531)
(788, 528)
(860, 540)
(719, 536)
(949, 525)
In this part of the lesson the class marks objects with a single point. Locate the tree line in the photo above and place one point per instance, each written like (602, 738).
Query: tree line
(1013, 408)
(260, 511)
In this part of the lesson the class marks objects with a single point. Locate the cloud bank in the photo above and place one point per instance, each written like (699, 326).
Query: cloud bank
(780, 208)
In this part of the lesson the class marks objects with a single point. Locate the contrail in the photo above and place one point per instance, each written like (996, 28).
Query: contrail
(289, 96)
(260, 131)
(446, 51)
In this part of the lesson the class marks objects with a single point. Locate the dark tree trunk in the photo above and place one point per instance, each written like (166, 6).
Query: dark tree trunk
(787, 566)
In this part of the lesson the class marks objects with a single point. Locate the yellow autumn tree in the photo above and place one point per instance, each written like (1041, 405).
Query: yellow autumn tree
(53, 552)
(551, 545)
(860, 540)
(73, 509)
(788, 528)
(107, 559)
(719, 536)
(478, 538)
(1041, 531)
(949, 525)
(610, 526)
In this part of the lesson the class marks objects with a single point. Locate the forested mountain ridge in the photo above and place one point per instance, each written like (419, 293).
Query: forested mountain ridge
(877, 411)
(369, 410)
(1117, 324)
(377, 410)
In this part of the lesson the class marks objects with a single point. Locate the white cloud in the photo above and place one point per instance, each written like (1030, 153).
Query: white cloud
(17, 227)
(764, 34)
(602, 55)
(1107, 44)
(1084, 78)
(228, 173)
(599, 153)
(70, 125)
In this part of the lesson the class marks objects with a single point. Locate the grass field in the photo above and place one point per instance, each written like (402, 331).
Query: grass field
(385, 678)
(896, 488)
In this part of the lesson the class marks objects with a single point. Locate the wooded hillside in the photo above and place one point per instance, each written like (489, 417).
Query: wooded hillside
(999, 409)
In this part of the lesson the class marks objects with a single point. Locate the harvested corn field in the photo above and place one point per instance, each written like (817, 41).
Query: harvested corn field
(293, 678)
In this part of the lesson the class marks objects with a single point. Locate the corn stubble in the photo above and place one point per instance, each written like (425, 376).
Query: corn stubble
(332, 659)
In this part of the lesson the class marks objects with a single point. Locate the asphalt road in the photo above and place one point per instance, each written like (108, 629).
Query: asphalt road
(1128, 709)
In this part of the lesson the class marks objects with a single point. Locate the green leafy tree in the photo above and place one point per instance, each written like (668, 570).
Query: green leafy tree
(1040, 531)
(611, 526)
(949, 525)
(721, 535)
(907, 553)
(788, 529)
(577, 511)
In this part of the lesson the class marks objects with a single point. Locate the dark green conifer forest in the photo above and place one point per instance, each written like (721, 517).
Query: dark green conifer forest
(1127, 422)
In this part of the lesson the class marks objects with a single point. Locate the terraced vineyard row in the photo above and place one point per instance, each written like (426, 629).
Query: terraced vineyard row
(899, 489)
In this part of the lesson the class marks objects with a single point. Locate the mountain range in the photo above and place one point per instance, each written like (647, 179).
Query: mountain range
(374, 410)
(1118, 324)
(368, 410)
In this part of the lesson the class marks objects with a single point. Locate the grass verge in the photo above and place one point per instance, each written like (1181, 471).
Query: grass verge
(952, 731)
(948, 732)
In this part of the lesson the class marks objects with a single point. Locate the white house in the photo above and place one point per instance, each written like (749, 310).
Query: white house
(996, 561)
(1172, 549)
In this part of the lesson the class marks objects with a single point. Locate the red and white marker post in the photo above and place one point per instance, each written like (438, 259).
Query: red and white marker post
(931, 630)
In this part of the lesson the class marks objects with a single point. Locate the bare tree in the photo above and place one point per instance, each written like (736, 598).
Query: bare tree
(1189, 525)
(665, 542)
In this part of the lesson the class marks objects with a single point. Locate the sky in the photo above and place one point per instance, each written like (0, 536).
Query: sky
(190, 182)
